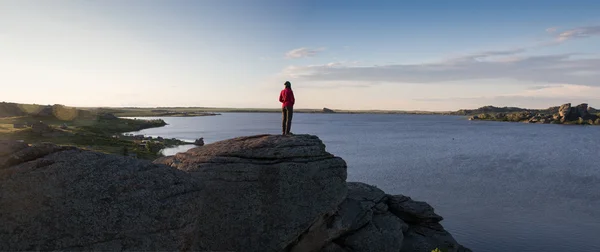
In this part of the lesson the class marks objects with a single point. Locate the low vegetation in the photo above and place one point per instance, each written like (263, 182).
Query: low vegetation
(156, 112)
(86, 129)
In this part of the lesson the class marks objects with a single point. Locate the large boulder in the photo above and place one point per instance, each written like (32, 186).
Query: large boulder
(582, 111)
(579, 113)
(259, 193)
(383, 233)
(425, 233)
(564, 110)
(413, 212)
(199, 142)
(265, 191)
(370, 220)
(60, 198)
(356, 212)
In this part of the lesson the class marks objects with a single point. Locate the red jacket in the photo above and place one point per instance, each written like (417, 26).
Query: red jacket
(286, 97)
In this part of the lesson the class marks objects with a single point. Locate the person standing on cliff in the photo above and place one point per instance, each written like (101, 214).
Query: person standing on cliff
(286, 97)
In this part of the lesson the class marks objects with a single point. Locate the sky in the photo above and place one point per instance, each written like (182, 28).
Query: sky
(391, 55)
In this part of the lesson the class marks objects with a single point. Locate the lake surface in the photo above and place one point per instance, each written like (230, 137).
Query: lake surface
(499, 186)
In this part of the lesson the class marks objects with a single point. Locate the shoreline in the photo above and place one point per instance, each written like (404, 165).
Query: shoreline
(106, 129)
(102, 133)
(564, 114)
(208, 111)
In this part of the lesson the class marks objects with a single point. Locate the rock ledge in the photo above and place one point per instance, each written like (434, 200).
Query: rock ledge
(256, 193)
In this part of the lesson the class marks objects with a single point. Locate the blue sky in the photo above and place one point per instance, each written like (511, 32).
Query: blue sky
(405, 55)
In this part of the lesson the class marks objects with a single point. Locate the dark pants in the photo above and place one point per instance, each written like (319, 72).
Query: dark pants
(286, 124)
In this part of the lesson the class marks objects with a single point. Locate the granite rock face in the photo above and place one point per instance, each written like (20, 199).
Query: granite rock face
(60, 198)
(275, 186)
(370, 220)
(257, 193)
(564, 110)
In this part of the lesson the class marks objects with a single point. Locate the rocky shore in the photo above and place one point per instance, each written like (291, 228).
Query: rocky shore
(565, 114)
(256, 193)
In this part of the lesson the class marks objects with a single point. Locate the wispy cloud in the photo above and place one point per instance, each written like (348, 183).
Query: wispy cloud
(580, 32)
(551, 30)
(488, 55)
(539, 102)
(497, 64)
(334, 85)
(539, 87)
(303, 52)
(546, 69)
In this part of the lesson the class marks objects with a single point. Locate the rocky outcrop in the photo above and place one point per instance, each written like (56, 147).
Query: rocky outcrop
(58, 198)
(582, 111)
(258, 193)
(568, 113)
(326, 110)
(565, 114)
(199, 142)
(564, 110)
(371, 220)
(579, 113)
(269, 185)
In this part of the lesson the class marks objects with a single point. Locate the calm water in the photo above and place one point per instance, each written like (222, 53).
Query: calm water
(499, 186)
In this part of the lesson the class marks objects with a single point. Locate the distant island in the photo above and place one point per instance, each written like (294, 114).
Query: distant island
(581, 114)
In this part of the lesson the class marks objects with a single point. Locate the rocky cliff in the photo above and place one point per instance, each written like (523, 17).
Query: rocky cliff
(258, 193)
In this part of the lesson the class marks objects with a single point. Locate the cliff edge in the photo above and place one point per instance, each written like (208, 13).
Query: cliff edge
(256, 193)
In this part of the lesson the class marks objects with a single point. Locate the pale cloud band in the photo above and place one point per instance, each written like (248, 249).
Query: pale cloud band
(502, 64)
(581, 32)
(303, 52)
(548, 69)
